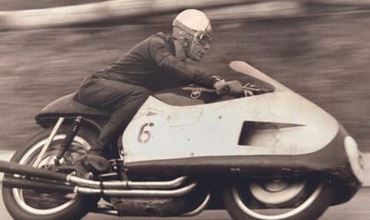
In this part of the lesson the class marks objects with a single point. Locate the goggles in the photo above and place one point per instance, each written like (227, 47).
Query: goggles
(202, 37)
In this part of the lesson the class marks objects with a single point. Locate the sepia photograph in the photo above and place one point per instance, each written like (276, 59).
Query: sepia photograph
(175, 110)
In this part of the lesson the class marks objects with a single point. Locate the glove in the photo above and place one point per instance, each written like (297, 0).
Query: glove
(233, 88)
(250, 90)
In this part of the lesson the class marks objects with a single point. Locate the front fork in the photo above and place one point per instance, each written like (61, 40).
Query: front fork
(67, 140)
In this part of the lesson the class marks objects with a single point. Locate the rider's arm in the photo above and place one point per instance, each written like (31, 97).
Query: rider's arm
(160, 52)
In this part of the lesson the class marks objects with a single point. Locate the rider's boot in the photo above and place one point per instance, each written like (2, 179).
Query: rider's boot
(93, 162)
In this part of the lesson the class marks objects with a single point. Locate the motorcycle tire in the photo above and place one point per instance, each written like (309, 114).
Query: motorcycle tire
(15, 200)
(311, 208)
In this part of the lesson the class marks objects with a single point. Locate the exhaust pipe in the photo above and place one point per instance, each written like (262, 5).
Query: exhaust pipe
(126, 184)
(138, 193)
(14, 168)
(12, 182)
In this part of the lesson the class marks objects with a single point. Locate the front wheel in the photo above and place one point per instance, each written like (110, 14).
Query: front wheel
(279, 199)
(34, 205)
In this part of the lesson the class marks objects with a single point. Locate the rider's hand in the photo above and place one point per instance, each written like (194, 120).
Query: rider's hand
(250, 90)
(233, 88)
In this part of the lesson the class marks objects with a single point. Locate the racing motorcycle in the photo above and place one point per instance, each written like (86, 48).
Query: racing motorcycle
(270, 154)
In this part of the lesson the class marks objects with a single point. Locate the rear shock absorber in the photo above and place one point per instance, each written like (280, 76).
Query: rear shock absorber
(68, 139)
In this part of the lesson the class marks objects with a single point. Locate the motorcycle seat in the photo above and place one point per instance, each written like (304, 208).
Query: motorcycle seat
(67, 106)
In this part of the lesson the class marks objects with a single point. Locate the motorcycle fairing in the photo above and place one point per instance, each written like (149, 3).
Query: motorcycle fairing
(160, 131)
(214, 129)
(288, 132)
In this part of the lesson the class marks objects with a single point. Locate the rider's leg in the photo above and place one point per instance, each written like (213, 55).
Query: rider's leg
(122, 114)
(122, 100)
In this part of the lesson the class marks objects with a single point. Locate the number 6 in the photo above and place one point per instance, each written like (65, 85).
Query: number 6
(144, 134)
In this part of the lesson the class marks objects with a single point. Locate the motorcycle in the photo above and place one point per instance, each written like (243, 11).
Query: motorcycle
(270, 154)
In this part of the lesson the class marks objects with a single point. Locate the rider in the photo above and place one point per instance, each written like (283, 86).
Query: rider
(161, 61)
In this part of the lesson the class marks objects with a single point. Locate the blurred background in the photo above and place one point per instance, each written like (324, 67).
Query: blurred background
(318, 48)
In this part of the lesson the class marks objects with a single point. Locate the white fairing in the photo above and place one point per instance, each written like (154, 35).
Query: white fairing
(160, 131)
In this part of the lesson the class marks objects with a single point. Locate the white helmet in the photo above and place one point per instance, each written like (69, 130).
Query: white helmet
(192, 24)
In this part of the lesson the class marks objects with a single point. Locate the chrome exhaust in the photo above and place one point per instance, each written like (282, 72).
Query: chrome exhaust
(14, 168)
(137, 193)
(126, 184)
(13, 182)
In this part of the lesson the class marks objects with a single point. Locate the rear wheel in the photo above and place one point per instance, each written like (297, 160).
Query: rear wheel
(34, 205)
(277, 199)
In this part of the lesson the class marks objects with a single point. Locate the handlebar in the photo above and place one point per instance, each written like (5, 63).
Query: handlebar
(248, 89)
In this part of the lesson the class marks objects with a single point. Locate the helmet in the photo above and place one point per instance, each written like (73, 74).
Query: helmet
(192, 28)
